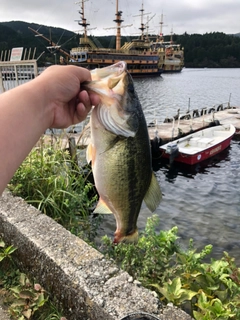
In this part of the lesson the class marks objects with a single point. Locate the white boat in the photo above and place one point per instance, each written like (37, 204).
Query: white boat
(200, 145)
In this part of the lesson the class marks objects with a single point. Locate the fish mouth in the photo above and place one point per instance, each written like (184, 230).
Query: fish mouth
(108, 82)
(111, 84)
(114, 70)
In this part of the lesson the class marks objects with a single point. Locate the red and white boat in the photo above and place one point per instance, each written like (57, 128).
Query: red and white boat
(200, 145)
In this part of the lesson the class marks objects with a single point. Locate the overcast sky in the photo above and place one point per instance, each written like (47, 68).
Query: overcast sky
(191, 16)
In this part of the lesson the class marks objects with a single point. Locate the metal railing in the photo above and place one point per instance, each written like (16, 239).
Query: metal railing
(14, 73)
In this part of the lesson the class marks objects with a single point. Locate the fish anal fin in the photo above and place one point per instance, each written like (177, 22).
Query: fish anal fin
(102, 208)
(153, 195)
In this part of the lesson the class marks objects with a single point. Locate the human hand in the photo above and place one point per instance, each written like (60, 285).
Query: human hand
(61, 87)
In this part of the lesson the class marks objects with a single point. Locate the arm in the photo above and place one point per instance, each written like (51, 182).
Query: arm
(53, 99)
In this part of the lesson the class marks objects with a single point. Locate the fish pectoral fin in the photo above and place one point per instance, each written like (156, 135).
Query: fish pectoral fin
(102, 208)
(112, 144)
(154, 195)
(89, 153)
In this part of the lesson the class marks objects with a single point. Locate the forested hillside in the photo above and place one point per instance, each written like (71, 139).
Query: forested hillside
(211, 50)
(17, 34)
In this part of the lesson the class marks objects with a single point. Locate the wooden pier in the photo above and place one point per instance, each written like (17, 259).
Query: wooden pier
(164, 132)
(184, 124)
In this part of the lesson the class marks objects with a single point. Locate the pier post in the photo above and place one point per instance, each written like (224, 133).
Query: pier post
(73, 150)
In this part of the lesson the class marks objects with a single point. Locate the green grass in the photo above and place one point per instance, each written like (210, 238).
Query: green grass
(52, 182)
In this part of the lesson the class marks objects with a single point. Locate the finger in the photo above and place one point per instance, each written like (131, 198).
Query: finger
(84, 106)
(83, 74)
(94, 98)
(81, 112)
(85, 99)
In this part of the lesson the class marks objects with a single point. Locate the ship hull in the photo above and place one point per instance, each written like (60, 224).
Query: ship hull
(139, 64)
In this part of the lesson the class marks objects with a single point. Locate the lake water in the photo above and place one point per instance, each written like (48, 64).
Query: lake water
(204, 202)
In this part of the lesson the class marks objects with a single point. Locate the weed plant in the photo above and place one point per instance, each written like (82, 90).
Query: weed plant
(53, 182)
(25, 298)
(207, 291)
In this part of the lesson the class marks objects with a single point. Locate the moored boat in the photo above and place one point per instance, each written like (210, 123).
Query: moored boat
(200, 145)
(173, 52)
(174, 58)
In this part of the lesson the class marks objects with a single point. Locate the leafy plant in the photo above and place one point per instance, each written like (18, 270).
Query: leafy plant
(174, 291)
(25, 298)
(5, 252)
(205, 290)
(150, 257)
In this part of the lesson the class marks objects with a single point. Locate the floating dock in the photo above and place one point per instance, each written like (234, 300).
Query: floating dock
(182, 125)
(171, 129)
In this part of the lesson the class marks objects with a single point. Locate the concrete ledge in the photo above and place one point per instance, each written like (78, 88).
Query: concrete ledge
(87, 286)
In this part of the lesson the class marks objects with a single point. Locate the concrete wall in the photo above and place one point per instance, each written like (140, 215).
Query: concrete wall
(88, 286)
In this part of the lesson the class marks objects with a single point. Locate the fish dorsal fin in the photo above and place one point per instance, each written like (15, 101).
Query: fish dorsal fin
(154, 195)
(102, 208)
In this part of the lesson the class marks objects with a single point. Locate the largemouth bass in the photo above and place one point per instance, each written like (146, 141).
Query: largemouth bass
(120, 151)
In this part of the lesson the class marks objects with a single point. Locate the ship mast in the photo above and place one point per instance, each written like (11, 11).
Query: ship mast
(118, 21)
(143, 27)
(52, 44)
(171, 37)
(161, 27)
(83, 21)
(160, 38)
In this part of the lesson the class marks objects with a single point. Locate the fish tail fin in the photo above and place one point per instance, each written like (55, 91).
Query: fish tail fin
(130, 238)
(154, 195)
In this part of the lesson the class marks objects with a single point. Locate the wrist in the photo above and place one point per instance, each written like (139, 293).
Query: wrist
(40, 97)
